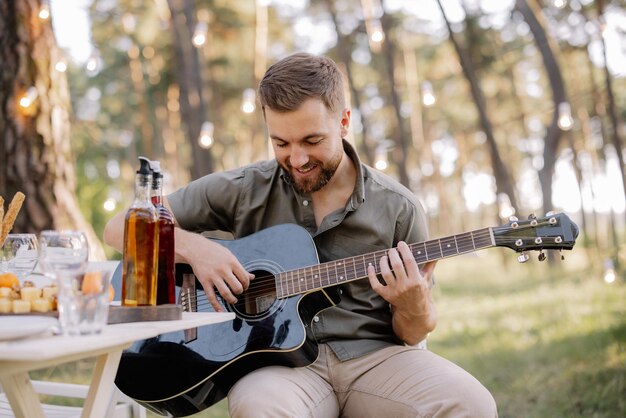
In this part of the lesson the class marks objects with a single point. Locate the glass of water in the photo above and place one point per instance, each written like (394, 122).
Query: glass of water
(19, 255)
(63, 256)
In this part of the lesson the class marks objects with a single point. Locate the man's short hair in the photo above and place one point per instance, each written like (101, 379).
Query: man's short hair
(294, 79)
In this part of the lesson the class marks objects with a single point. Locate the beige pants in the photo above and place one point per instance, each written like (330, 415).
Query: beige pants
(393, 382)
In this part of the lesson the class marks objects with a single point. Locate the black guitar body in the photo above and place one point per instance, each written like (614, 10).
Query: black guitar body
(182, 373)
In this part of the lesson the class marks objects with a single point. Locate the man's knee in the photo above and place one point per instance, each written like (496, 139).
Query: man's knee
(469, 398)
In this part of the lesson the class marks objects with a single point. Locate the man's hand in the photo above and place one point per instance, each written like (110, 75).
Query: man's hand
(408, 291)
(214, 266)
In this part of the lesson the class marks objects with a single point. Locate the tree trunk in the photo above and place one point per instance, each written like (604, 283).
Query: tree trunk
(188, 75)
(504, 181)
(553, 135)
(345, 55)
(613, 117)
(35, 140)
(400, 152)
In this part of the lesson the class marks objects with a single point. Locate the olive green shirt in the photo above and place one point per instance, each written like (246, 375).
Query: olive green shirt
(378, 215)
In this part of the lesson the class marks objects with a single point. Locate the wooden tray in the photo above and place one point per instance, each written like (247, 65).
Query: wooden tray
(122, 314)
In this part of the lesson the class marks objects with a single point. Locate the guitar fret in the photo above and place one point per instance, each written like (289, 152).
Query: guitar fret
(465, 242)
(433, 250)
(448, 246)
(316, 276)
(420, 253)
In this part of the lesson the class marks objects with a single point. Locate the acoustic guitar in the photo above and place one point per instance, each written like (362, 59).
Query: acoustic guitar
(182, 373)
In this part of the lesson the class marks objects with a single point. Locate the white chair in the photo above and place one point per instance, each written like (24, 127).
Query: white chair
(120, 406)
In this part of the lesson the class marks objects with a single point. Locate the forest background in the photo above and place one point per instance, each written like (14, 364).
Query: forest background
(485, 109)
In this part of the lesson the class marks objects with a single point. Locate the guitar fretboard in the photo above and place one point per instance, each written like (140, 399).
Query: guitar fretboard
(290, 283)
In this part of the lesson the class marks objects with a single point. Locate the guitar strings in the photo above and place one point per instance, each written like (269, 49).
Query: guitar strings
(268, 284)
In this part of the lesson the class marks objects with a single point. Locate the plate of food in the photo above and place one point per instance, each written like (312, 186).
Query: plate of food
(13, 327)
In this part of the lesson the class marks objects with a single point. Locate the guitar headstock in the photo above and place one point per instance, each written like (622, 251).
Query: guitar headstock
(555, 231)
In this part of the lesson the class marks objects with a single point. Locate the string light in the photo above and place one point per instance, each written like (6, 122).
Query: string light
(28, 98)
(205, 140)
(110, 204)
(200, 34)
(380, 159)
(61, 65)
(93, 64)
(44, 10)
(565, 120)
(247, 105)
(559, 4)
(428, 96)
(377, 35)
(609, 275)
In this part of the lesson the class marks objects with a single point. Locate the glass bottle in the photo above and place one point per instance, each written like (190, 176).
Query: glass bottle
(166, 276)
(141, 244)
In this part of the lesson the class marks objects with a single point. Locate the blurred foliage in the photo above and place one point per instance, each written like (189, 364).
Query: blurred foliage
(129, 105)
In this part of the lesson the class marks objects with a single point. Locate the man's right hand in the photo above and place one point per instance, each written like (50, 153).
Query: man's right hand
(215, 266)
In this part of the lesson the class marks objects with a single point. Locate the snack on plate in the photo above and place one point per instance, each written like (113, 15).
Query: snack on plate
(8, 280)
(21, 306)
(30, 293)
(27, 298)
(5, 305)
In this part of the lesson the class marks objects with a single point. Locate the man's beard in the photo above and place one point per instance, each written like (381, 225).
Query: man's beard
(307, 186)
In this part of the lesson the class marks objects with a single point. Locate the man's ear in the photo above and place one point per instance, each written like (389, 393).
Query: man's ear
(345, 121)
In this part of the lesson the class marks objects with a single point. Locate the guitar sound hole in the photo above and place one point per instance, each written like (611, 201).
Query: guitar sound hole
(259, 297)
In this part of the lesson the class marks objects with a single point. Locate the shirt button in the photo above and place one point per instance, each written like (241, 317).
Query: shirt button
(305, 203)
(316, 318)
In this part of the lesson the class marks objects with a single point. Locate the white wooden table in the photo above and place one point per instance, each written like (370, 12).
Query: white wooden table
(19, 357)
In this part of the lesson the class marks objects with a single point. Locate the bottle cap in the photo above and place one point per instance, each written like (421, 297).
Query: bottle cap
(144, 167)
(155, 166)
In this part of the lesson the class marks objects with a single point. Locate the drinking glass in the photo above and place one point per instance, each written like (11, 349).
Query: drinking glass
(19, 255)
(63, 256)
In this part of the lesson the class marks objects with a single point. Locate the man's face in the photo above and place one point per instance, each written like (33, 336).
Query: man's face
(307, 143)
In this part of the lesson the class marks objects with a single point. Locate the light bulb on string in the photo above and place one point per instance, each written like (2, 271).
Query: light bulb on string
(559, 4)
(380, 159)
(205, 140)
(44, 10)
(61, 65)
(28, 98)
(565, 120)
(200, 34)
(377, 34)
(428, 96)
(247, 105)
(93, 64)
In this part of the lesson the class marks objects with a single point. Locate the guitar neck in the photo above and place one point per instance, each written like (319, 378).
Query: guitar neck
(303, 280)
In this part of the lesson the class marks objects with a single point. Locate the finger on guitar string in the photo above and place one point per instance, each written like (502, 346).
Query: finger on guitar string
(397, 265)
(409, 264)
(212, 298)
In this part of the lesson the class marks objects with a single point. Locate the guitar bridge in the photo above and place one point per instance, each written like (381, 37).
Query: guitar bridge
(187, 298)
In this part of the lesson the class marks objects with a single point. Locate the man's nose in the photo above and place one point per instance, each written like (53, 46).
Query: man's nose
(298, 157)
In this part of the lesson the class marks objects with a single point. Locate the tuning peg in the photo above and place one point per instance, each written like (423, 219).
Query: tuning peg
(513, 218)
(522, 258)
(532, 216)
(550, 213)
(542, 256)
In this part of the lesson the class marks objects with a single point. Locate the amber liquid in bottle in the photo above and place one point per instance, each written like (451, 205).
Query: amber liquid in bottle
(166, 276)
(141, 244)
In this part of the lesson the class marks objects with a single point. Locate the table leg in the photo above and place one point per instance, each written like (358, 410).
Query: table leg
(22, 396)
(102, 385)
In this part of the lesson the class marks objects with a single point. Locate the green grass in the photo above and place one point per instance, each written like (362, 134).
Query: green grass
(547, 340)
